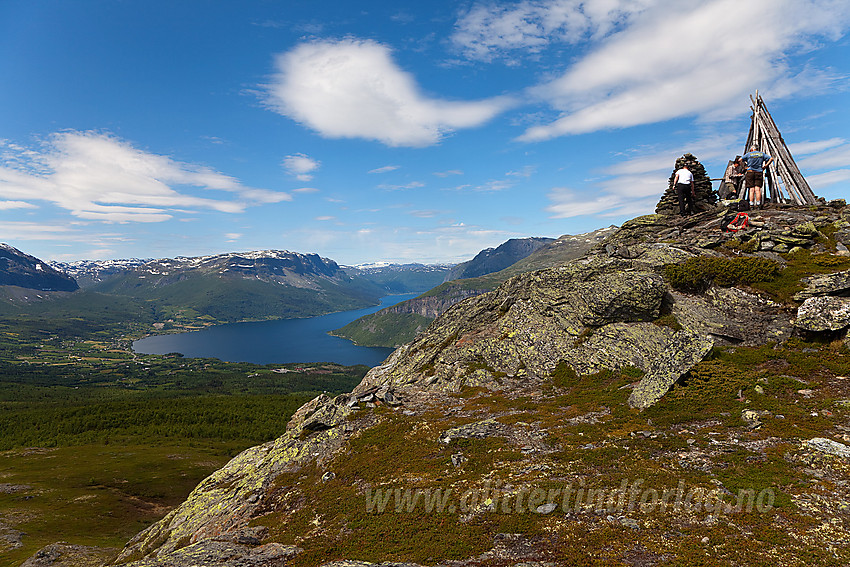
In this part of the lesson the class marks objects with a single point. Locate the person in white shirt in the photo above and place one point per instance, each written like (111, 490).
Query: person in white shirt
(684, 182)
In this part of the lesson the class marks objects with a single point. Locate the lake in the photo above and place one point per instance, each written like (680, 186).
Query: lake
(280, 341)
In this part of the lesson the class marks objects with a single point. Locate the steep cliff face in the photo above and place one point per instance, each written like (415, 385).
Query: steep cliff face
(536, 423)
(432, 306)
(496, 259)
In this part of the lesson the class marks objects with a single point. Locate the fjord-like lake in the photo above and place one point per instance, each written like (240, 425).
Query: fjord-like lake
(280, 341)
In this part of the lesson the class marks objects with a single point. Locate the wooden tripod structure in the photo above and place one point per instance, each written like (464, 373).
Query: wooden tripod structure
(783, 180)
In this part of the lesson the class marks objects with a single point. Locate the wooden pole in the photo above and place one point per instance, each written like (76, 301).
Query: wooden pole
(795, 177)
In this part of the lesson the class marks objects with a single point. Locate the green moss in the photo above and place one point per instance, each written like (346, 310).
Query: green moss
(478, 363)
(799, 265)
(564, 376)
(742, 243)
(588, 392)
(697, 274)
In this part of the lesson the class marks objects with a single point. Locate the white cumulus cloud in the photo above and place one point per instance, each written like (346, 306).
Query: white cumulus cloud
(353, 88)
(301, 166)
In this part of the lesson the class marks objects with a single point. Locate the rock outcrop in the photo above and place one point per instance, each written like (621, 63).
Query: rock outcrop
(394, 326)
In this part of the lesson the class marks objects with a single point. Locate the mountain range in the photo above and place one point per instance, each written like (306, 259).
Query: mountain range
(184, 292)
(492, 260)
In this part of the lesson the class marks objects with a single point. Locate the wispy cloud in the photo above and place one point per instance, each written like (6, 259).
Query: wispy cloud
(526, 171)
(12, 231)
(448, 173)
(650, 70)
(7, 205)
(353, 88)
(411, 185)
(301, 166)
(806, 148)
(836, 157)
(99, 177)
(427, 213)
(829, 178)
(385, 169)
(488, 31)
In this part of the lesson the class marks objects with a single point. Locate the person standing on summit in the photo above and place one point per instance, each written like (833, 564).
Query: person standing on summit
(756, 161)
(684, 182)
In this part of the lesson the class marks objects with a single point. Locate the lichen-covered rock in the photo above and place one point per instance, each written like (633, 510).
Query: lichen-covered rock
(828, 446)
(597, 312)
(823, 313)
(685, 350)
(63, 554)
(732, 315)
(224, 553)
(525, 327)
(477, 430)
(837, 283)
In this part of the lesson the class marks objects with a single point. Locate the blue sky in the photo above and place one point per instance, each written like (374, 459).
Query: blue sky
(396, 131)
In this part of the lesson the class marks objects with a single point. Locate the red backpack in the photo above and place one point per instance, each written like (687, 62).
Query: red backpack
(740, 222)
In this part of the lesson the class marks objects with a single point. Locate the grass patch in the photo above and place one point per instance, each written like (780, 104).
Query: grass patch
(99, 495)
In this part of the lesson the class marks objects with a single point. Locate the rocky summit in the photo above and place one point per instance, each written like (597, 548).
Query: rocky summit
(680, 395)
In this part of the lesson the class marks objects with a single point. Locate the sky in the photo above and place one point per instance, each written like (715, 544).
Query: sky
(390, 131)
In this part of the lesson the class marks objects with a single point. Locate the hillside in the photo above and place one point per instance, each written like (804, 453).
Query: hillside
(496, 259)
(676, 396)
(400, 323)
(29, 273)
(91, 272)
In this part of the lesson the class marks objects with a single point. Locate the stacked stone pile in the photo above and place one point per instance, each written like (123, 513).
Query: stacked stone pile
(705, 195)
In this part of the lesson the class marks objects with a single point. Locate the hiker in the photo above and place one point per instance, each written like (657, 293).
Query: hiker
(684, 182)
(755, 161)
(732, 179)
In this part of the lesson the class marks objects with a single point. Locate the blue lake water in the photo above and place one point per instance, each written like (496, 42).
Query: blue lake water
(267, 342)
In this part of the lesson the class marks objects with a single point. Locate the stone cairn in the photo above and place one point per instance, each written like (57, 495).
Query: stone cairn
(705, 195)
